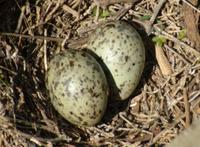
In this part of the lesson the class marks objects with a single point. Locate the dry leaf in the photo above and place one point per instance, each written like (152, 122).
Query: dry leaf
(163, 61)
(191, 21)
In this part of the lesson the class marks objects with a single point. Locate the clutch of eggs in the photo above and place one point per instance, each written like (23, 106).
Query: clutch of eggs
(79, 82)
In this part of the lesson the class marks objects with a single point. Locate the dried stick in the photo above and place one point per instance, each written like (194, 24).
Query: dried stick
(174, 39)
(45, 51)
(104, 3)
(123, 11)
(153, 17)
(120, 13)
(180, 56)
(159, 31)
(189, 4)
(32, 37)
(10, 71)
(20, 19)
(187, 108)
(71, 42)
(71, 11)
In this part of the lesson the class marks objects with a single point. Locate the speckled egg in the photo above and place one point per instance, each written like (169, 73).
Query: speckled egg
(122, 52)
(78, 87)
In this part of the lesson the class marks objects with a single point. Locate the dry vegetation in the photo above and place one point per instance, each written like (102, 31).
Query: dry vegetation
(164, 104)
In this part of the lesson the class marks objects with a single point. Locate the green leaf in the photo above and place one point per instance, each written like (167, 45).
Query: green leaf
(182, 34)
(145, 17)
(159, 40)
(94, 11)
(105, 13)
(102, 13)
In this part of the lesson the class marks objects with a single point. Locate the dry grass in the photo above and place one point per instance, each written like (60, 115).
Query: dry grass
(161, 107)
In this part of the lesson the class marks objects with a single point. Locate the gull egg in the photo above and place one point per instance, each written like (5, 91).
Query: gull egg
(77, 87)
(121, 50)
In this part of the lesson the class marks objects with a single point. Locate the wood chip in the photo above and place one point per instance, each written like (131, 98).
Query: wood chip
(163, 61)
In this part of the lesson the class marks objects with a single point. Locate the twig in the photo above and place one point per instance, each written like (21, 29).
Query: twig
(126, 120)
(120, 13)
(41, 140)
(76, 4)
(174, 39)
(187, 108)
(28, 124)
(196, 103)
(32, 37)
(193, 97)
(71, 11)
(12, 72)
(153, 17)
(162, 133)
(5, 123)
(180, 56)
(71, 42)
(45, 50)
(123, 11)
(79, 43)
(65, 40)
(97, 13)
(50, 14)
(104, 3)
(179, 115)
(20, 19)
(159, 31)
(189, 4)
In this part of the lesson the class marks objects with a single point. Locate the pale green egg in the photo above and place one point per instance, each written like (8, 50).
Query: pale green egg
(78, 87)
(122, 52)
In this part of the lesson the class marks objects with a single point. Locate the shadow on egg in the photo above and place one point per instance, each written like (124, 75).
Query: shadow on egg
(113, 89)
(150, 59)
(115, 105)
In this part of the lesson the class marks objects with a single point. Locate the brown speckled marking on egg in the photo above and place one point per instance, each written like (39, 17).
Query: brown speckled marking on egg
(74, 92)
(122, 50)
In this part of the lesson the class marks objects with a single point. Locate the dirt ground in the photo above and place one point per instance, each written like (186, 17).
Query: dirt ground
(166, 101)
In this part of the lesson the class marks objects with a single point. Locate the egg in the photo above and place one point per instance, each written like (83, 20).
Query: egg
(120, 48)
(77, 87)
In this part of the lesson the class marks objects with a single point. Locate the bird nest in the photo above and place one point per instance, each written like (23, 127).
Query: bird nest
(165, 102)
